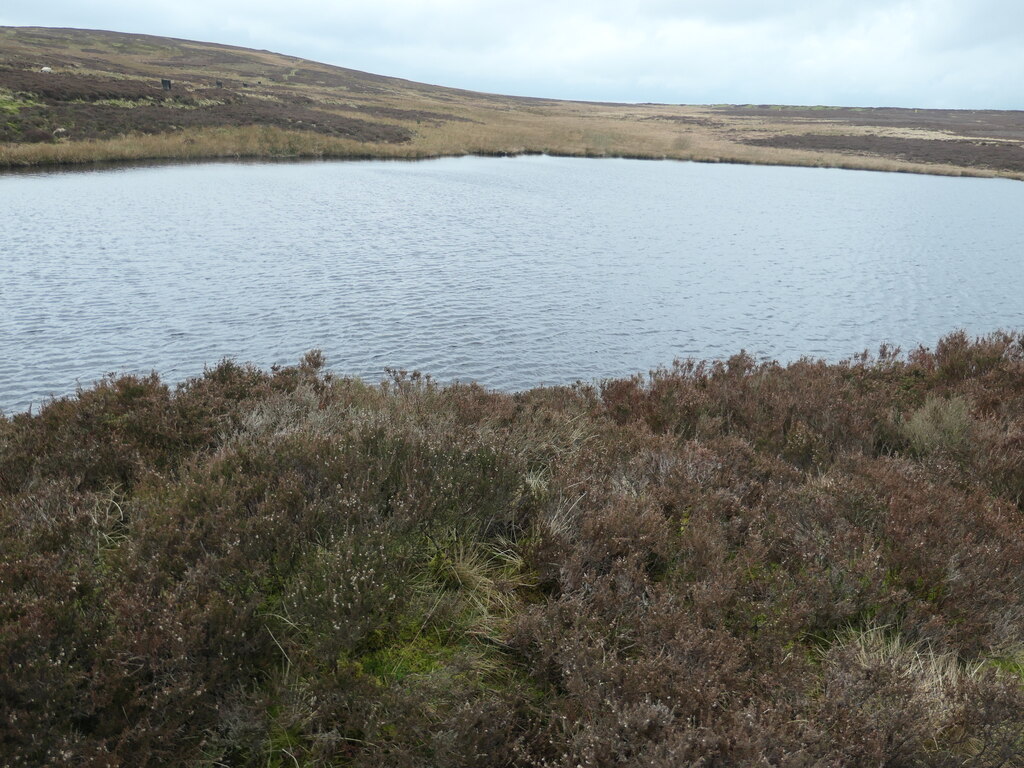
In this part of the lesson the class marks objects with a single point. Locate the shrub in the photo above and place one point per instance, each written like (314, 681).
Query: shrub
(728, 563)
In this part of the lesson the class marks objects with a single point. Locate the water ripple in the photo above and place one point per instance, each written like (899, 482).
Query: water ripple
(513, 272)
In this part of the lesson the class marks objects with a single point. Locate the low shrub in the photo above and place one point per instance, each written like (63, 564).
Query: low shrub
(724, 564)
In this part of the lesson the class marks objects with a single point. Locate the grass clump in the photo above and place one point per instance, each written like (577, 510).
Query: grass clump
(924, 695)
(11, 103)
(941, 424)
(725, 563)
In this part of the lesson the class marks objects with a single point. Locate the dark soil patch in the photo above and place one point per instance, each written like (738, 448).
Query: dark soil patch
(413, 114)
(350, 80)
(60, 86)
(70, 104)
(685, 120)
(964, 122)
(961, 152)
(193, 57)
(100, 121)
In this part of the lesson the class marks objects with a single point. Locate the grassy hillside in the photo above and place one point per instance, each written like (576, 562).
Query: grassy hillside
(724, 564)
(102, 100)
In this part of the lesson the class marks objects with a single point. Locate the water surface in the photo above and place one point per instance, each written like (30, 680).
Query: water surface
(513, 272)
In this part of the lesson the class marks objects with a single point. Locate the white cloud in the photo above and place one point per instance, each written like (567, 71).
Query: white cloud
(953, 53)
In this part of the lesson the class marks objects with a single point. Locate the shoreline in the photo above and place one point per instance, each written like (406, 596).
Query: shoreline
(887, 353)
(27, 158)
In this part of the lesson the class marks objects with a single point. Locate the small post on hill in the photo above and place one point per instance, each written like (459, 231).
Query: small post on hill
(166, 84)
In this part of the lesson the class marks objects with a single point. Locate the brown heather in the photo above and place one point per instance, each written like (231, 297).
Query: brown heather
(721, 564)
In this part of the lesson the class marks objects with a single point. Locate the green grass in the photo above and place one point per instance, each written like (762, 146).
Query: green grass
(12, 103)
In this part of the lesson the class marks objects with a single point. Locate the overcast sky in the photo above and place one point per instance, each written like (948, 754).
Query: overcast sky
(913, 53)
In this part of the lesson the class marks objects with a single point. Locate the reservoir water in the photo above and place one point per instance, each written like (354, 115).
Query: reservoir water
(513, 272)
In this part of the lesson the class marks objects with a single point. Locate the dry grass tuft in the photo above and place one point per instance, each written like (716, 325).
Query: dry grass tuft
(941, 424)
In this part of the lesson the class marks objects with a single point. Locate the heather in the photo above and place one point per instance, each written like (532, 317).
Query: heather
(721, 563)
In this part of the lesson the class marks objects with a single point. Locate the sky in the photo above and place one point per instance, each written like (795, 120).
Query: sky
(963, 54)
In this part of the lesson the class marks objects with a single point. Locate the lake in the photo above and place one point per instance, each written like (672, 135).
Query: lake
(513, 272)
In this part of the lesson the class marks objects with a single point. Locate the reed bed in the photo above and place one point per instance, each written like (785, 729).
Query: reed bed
(565, 139)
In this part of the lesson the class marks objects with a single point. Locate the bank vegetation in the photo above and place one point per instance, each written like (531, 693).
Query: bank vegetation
(723, 563)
